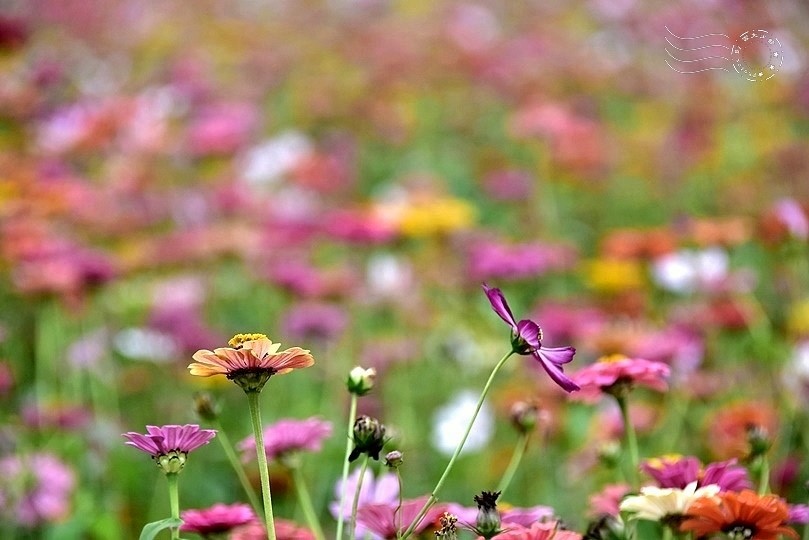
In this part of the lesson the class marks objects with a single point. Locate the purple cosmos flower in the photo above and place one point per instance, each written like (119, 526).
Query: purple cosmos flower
(382, 490)
(526, 339)
(678, 471)
(218, 519)
(289, 435)
(169, 445)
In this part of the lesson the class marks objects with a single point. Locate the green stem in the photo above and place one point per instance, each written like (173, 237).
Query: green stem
(264, 472)
(351, 414)
(666, 532)
(174, 501)
(434, 495)
(306, 504)
(631, 442)
(397, 514)
(764, 475)
(237, 466)
(353, 521)
(516, 458)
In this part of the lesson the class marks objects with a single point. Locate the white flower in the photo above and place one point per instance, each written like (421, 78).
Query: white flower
(654, 503)
(450, 421)
(687, 271)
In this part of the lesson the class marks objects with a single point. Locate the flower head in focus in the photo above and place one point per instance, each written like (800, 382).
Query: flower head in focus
(526, 339)
(288, 437)
(360, 380)
(617, 374)
(169, 445)
(674, 471)
(250, 361)
(738, 516)
(218, 519)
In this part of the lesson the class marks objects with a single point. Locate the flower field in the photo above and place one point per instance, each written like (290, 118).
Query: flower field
(518, 270)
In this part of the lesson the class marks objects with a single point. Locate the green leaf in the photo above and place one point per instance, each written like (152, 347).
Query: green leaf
(150, 530)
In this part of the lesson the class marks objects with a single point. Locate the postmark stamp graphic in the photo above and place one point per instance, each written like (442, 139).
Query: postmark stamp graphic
(756, 55)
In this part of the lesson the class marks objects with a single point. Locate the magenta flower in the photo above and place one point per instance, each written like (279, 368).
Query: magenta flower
(169, 445)
(615, 372)
(383, 520)
(383, 490)
(218, 519)
(289, 435)
(678, 471)
(284, 530)
(526, 339)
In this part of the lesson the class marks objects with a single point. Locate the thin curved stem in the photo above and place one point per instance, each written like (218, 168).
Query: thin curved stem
(174, 502)
(352, 524)
(237, 467)
(263, 469)
(434, 495)
(516, 458)
(351, 414)
(397, 514)
(306, 504)
(764, 475)
(631, 443)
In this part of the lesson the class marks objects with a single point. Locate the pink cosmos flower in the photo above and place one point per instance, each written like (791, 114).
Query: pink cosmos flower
(289, 435)
(523, 517)
(218, 519)
(169, 445)
(383, 520)
(526, 339)
(35, 490)
(603, 376)
(536, 531)
(383, 489)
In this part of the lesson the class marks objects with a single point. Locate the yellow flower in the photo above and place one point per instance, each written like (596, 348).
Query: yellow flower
(436, 217)
(613, 275)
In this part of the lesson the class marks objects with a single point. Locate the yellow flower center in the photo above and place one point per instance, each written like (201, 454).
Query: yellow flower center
(239, 339)
(612, 358)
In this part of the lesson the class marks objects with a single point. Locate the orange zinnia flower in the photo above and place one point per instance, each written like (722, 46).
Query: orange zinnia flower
(739, 515)
(250, 361)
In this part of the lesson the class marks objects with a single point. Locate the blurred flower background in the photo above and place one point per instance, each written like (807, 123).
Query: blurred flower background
(342, 175)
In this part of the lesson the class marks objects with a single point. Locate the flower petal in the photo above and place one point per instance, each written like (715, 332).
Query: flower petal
(555, 371)
(499, 305)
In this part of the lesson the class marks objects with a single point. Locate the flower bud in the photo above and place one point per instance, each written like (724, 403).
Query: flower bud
(487, 523)
(205, 406)
(369, 438)
(759, 440)
(524, 416)
(172, 462)
(360, 380)
(393, 459)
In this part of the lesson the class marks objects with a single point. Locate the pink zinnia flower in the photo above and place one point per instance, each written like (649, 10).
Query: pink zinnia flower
(526, 339)
(290, 435)
(607, 500)
(383, 520)
(679, 471)
(537, 531)
(218, 519)
(617, 371)
(169, 445)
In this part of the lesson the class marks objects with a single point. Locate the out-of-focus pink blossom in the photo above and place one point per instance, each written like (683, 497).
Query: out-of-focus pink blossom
(508, 185)
(607, 500)
(602, 376)
(490, 260)
(221, 128)
(289, 435)
(536, 531)
(383, 520)
(381, 490)
(284, 530)
(218, 519)
(314, 321)
(36, 489)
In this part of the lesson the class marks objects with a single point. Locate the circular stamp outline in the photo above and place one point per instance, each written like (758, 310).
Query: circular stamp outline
(775, 58)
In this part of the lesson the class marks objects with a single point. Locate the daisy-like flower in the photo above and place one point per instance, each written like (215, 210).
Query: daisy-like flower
(169, 445)
(674, 471)
(739, 516)
(617, 374)
(526, 339)
(383, 520)
(250, 361)
(289, 436)
(216, 520)
(666, 505)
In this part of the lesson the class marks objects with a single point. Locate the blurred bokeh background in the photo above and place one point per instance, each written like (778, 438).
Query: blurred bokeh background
(342, 175)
